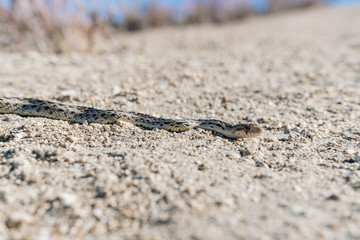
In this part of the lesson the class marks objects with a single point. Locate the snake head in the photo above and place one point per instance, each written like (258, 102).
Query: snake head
(247, 130)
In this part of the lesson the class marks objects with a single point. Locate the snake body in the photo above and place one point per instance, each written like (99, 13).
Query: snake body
(30, 107)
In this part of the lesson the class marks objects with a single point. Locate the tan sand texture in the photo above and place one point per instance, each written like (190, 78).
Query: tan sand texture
(297, 75)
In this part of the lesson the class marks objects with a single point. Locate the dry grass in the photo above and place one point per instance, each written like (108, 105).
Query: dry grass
(36, 24)
(284, 5)
(44, 25)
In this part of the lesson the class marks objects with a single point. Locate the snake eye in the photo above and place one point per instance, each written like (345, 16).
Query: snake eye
(247, 128)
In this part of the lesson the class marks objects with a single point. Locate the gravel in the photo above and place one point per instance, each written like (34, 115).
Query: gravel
(297, 75)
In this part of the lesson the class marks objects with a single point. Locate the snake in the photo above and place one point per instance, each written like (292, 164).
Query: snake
(30, 107)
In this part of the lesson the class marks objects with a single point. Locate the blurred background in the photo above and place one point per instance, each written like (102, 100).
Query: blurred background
(77, 25)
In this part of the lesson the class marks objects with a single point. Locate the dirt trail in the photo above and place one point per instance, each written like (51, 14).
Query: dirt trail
(297, 75)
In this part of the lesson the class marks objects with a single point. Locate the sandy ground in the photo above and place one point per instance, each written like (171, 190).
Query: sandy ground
(297, 75)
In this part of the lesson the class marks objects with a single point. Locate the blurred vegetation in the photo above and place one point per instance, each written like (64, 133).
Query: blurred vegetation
(47, 25)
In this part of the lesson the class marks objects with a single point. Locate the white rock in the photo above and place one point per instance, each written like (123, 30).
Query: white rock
(68, 198)
(357, 157)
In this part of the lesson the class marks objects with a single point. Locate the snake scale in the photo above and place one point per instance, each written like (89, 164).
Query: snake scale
(30, 107)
